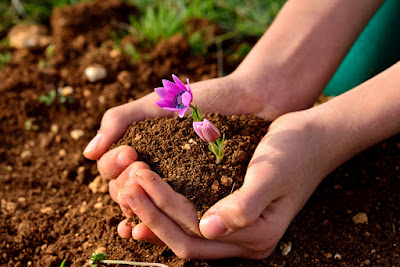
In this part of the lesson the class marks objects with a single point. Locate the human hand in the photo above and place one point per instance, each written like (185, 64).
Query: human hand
(286, 168)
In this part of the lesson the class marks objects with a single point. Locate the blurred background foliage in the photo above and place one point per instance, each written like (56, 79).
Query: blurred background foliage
(239, 20)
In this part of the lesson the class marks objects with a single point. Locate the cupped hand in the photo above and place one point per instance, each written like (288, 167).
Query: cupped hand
(228, 228)
(286, 168)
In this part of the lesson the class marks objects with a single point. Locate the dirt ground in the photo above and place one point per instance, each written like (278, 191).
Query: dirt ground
(48, 212)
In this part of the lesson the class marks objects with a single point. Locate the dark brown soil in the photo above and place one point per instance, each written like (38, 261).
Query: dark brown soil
(48, 213)
(172, 149)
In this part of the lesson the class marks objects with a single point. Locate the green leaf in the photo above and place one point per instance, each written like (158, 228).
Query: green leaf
(62, 263)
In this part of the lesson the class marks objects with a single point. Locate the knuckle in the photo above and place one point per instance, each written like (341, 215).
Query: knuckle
(242, 215)
(111, 114)
(185, 251)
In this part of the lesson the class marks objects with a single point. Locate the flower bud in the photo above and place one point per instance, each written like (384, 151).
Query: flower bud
(206, 130)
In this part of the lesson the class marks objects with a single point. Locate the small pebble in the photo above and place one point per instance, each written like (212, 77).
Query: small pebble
(62, 153)
(360, 218)
(186, 146)
(47, 210)
(337, 187)
(22, 200)
(192, 141)
(99, 185)
(215, 186)
(102, 99)
(337, 256)
(26, 154)
(66, 91)
(226, 181)
(286, 247)
(98, 205)
(77, 133)
(87, 93)
(95, 73)
(328, 255)
(100, 250)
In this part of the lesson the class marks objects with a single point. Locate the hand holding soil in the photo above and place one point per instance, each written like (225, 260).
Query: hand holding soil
(299, 150)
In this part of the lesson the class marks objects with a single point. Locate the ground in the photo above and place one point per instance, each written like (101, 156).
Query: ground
(48, 212)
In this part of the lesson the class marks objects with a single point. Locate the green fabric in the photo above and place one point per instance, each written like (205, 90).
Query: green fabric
(376, 49)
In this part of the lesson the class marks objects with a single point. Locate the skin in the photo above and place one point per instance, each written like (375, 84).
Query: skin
(280, 78)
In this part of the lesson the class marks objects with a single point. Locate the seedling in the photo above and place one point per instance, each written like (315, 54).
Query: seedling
(391, 232)
(131, 51)
(50, 51)
(29, 126)
(100, 259)
(51, 97)
(5, 58)
(62, 263)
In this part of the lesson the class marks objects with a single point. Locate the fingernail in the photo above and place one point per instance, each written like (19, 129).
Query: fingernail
(130, 201)
(123, 160)
(93, 144)
(212, 226)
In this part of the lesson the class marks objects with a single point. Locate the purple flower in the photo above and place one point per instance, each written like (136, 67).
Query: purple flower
(206, 130)
(174, 96)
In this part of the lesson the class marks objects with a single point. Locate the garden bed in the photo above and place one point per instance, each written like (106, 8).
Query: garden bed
(48, 213)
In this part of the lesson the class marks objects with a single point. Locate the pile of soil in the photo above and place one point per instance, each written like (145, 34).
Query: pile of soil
(171, 148)
(48, 213)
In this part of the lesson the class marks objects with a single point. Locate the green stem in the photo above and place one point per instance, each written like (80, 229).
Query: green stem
(197, 111)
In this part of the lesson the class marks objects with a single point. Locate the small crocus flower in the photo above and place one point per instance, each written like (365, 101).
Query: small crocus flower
(174, 96)
(206, 130)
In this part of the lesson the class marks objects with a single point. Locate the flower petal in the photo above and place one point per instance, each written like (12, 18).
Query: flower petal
(164, 103)
(182, 113)
(197, 126)
(188, 86)
(186, 99)
(179, 83)
(161, 92)
(171, 87)
(210, 132)
(172, 109)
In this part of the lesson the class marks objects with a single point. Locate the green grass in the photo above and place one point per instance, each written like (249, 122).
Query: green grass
(5, 58)
(162, 19)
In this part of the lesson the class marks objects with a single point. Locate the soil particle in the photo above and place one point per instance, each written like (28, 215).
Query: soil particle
(360, 218)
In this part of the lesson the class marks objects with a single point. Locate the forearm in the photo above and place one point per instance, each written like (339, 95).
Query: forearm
(361, 117)
(304, 46)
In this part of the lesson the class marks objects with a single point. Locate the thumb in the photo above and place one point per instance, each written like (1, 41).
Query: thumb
(236, 211)
(113, 125)
(115, 122)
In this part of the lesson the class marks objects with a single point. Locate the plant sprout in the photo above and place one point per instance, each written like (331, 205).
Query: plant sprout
(52, 95)
(178, 97)
(5, 58)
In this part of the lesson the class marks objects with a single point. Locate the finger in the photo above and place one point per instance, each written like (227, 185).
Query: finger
(125, 229)
(263, 235)
(126, 210)
(116, 120)
(114, 188)
(183, 245)
(116, 185)
(242, 208)
(112, 163)
(174, 205)
(142, 232)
